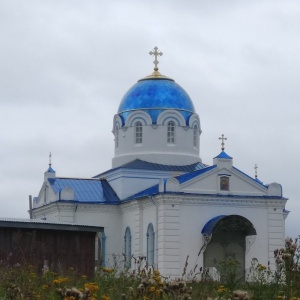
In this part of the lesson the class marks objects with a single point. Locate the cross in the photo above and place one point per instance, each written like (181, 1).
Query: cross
(156, 54)
(223, 139)
(50, 155)
(255, 168)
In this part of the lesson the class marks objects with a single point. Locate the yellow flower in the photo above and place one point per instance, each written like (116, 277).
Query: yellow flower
(60, 280)
(152, 289)
(107, 270)
(92, 287)
(261, 267)
(105, 297)
(222, 289)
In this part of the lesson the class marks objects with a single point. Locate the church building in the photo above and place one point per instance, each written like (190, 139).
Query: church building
(159, 200)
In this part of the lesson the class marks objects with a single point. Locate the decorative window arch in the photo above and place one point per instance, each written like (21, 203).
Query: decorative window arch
(117, 136)
(138, 132)
(127, 247)
(224, 183)
(195, 135)
(171, 132)
(150, 245)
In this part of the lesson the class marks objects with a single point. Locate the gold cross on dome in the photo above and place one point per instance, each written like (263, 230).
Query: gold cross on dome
(156, 54)
(223, 139)
(50, 156)
(255, 168)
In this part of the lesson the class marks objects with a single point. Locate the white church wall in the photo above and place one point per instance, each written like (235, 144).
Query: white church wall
(132, 218)
(210, 184)
(194, 217)
(155, 148)
(276, 230)
(168, 243)
(206, 185)
(138, 215)
(128, 182)
(107, 216)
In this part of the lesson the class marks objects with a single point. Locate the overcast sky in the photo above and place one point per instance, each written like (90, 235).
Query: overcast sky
(65, 65)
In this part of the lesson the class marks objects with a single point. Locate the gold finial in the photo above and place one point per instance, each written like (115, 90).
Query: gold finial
(50, 156)
(156, 54)
(255, 168)
(223, 139)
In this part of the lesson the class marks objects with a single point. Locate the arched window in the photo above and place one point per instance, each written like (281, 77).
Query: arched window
(150, 245)
(138, 132)
(127, 247)
(195, 135)
(171, 132)
(117, 136)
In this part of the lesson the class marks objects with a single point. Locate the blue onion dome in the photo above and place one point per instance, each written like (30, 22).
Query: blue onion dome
(155, 94)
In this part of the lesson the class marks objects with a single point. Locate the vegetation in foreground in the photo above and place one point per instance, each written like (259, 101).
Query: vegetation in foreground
(21, 281)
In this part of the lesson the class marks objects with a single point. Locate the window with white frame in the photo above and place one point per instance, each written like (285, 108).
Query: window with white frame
(117, 136)
(195, 135)
(150, 245)
(138, 132)
(127, 247)
(171, 132)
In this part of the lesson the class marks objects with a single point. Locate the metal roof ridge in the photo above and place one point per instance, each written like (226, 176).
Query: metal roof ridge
(80, 178)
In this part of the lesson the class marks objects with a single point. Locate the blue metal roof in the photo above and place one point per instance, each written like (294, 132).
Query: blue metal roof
(256, 180)
(209, 226)
(144, 165)
(186, 177)
(154, 96)
(223, 154)
(86, 190)
(153, 190)
(50, 170)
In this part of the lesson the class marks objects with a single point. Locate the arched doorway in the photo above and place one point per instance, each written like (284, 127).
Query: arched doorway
(226, 237)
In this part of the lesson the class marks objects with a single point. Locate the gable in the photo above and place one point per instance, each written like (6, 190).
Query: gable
(209, 182)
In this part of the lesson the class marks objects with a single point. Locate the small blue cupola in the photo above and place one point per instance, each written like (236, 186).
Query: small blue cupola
(223, 160)
(50, 173)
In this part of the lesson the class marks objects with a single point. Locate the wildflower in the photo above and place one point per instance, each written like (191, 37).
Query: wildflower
(221, 290)
(108, 270)
(60, 280)
(152, 289)
(261, 267)
(92, 287)
(105, 297)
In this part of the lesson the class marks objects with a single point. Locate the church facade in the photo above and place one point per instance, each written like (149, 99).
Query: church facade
(159, 200)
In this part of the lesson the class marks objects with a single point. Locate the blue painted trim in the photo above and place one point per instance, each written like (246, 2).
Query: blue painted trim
(257, 181)
(127, 236)
(103, 249)
(152, 247)
(169, 119)
(136, 119)
(209, 226)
